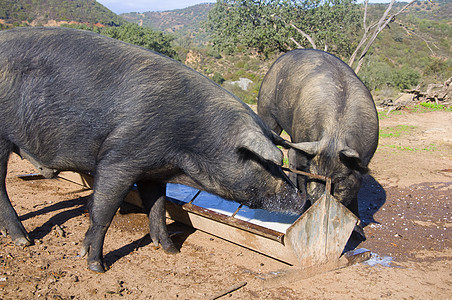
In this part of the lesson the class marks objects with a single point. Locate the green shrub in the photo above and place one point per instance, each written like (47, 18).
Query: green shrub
(405, 78)
(376, 74)
(213, 53)
(240, 64)
(218, 78)
(436, 68)
(137, 35)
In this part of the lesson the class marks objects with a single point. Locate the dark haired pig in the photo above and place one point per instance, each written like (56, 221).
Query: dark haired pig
(330, 115)
(75, 100)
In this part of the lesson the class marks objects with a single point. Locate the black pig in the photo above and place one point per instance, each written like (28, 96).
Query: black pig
(330, 115)
(75, 100)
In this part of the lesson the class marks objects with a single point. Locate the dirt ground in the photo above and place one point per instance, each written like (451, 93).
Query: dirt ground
(405, 203)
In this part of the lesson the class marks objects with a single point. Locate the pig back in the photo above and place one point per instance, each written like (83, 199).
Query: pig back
(69, 96)
(312, 95)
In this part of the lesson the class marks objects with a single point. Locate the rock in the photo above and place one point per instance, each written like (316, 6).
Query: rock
(242, 83)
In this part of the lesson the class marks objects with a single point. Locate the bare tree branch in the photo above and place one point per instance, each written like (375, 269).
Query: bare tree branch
(304, 34)
(307, 36)
(363, 39)
(299, 46)
(380, 25)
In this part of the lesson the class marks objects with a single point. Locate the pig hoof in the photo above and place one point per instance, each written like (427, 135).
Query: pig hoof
(171, 250)
(83, 252)
(22, 242)
(96, 267)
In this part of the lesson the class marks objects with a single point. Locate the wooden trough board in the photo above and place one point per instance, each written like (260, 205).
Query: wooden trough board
(313, 241)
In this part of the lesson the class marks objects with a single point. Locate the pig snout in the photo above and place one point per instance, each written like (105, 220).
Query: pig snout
(286, 199)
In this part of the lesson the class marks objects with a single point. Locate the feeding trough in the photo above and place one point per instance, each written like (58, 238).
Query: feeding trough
(314, 240)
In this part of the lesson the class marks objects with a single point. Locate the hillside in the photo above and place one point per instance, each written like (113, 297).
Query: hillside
(432, 10)
(43, 12)
(182, 22)
(414, 49)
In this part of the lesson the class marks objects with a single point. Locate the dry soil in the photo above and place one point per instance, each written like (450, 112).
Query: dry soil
(405, 206)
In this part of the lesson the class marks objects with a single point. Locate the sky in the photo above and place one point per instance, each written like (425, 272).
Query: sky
(124, 6)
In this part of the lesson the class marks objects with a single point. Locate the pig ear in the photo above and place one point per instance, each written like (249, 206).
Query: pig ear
(278, 140)
(311, 148)
(262, 147)
(350, 157)
(350, 153)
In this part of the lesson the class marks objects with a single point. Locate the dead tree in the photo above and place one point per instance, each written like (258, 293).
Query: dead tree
(371, 32)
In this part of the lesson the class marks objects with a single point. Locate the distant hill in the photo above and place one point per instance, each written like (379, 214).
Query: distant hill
(182, 22)
(433, 10)
(54, 12)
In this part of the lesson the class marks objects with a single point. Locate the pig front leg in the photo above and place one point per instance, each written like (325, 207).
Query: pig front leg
(111, 185)
(298, 162)
(292, 157)
(153, 196)
(9, 221)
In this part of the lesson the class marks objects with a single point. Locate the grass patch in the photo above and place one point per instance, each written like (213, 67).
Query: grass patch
(396, 131)
(285, 162)
(431, 147)
(382, 115)
(385, 114)
(430, 106)
(402, 148)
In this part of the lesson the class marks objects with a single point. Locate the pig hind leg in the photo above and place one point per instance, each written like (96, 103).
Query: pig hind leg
(110, 187)
(153, 197)
(9, 221)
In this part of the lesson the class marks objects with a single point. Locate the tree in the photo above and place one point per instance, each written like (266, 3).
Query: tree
(268, 25)
(135, 34)
(142, 36)
(327, 24)
(245, 22)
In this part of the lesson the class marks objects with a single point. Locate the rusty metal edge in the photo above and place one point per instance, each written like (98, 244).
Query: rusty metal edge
(244, 225)
(33, 176)
(243, 238)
